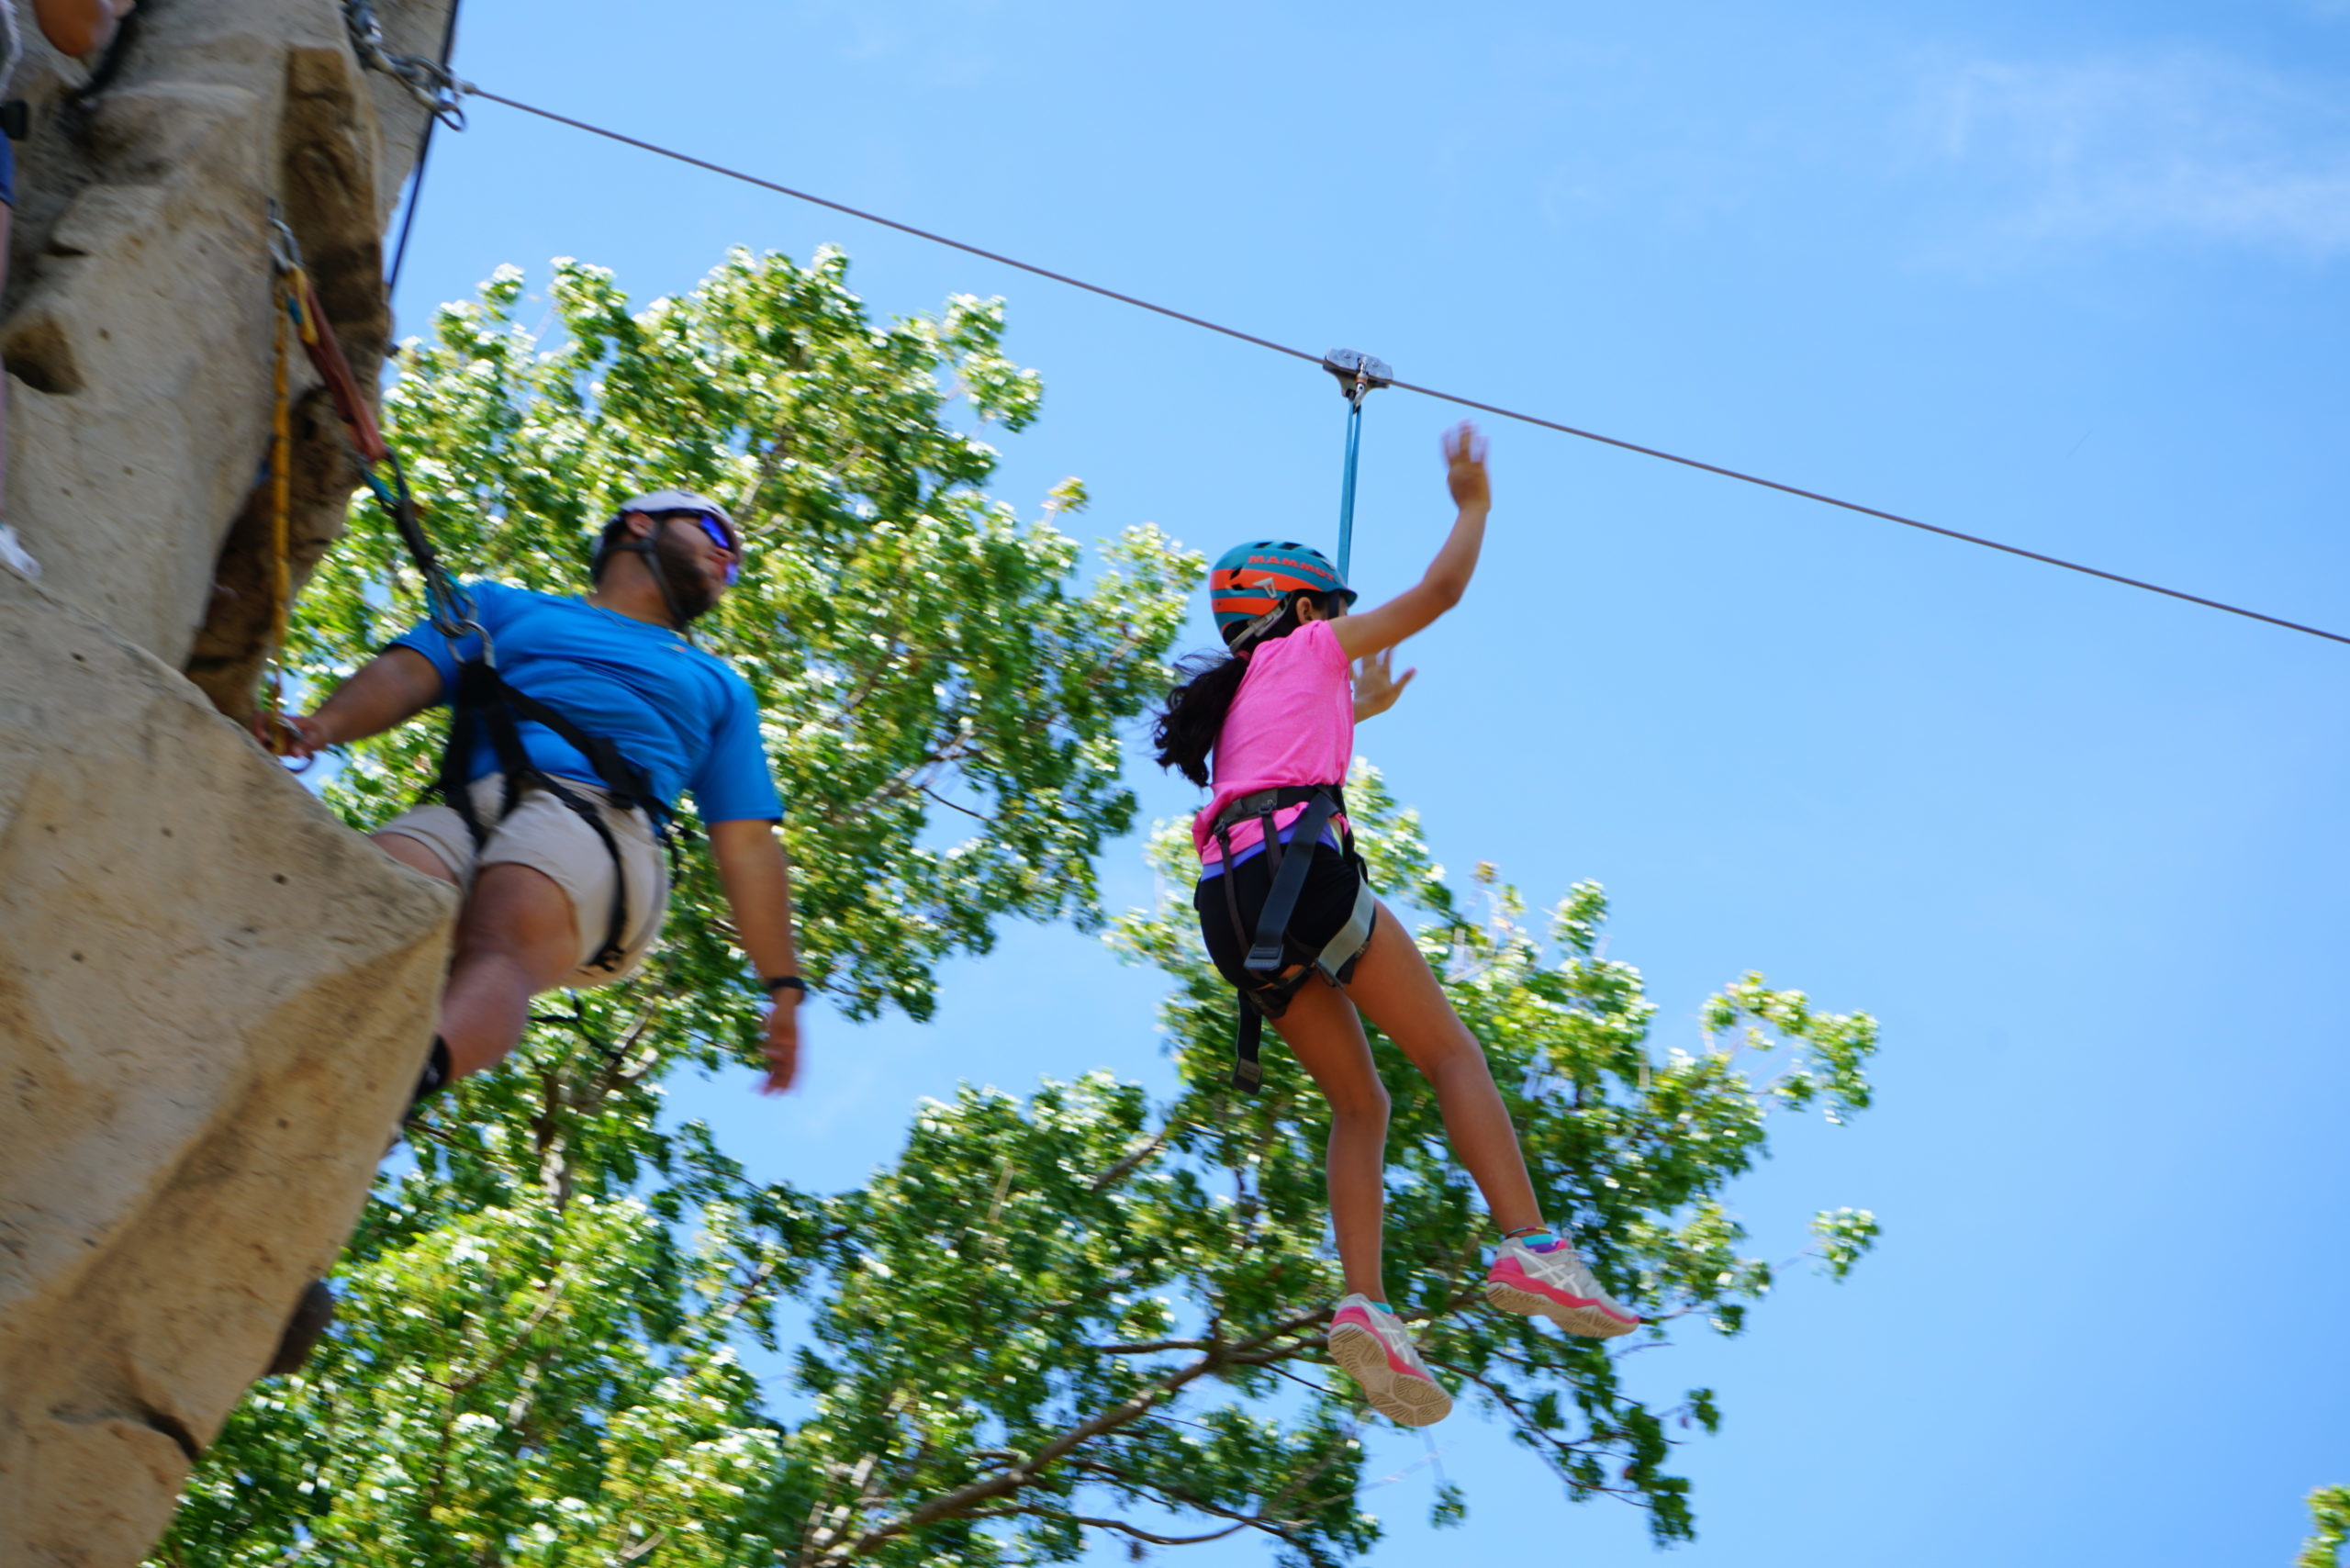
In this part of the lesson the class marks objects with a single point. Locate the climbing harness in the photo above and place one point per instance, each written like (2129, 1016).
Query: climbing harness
(1250, 587)
(483, 704)
(1270, 947)
(1358, 376)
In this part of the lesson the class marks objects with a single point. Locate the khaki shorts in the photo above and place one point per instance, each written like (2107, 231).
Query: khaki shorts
(547, 836)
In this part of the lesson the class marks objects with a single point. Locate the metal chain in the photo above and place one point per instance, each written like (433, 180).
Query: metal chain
(426, 81)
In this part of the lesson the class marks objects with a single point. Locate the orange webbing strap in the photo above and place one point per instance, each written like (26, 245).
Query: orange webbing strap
(451, 607)
(270, 723)
(326, 357)
(295, 305)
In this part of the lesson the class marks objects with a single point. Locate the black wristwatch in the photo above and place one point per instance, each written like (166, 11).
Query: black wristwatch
(785, 982)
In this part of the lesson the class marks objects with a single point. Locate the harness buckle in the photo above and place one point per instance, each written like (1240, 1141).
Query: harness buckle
(1248, 1073)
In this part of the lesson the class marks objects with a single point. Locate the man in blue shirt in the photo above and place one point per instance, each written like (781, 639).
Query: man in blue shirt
(564, 878)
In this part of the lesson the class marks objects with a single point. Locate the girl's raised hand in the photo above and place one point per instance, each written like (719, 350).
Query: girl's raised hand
(1367, 632)
(1376, 687)
(1464, 467)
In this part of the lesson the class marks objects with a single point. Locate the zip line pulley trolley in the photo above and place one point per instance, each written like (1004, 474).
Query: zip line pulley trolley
(1358, 376)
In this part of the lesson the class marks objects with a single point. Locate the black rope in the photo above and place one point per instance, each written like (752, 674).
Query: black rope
(467, 88)
(423, 151)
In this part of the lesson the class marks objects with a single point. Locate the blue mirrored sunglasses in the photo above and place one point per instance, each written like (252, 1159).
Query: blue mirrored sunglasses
(718, 536)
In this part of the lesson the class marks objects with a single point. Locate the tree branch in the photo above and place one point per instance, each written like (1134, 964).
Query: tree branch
(1059, 1517)
(1526, 1424)
(950, 805)
(1174, 1498)
(642, 1549)
(1130, 1161)
(546, 1306)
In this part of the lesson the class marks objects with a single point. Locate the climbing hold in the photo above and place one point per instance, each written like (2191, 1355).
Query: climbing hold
(313, 1310)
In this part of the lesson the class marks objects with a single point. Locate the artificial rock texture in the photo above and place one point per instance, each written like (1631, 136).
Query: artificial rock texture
(140, 310)
(214, 998)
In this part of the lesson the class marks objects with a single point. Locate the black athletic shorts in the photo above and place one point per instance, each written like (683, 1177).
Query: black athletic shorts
(1323, 906)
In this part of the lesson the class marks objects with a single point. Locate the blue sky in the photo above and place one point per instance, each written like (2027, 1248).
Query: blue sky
(2070, 275)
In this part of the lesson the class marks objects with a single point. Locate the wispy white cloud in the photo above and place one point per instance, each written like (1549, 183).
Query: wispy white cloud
(2182, 144)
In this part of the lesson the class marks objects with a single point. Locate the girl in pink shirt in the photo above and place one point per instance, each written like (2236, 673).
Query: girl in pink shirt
(1288, 918)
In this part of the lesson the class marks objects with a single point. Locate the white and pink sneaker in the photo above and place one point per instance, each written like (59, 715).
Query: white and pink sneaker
(1551, 1281)
(1369, 1342)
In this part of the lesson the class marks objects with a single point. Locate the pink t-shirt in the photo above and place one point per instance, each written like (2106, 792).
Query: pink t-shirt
(1292, 721)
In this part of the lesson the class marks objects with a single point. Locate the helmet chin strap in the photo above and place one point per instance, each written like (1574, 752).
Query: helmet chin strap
(1253, 630)
(645, 549)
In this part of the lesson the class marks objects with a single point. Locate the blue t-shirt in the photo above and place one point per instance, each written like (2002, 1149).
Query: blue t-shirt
(678, 713)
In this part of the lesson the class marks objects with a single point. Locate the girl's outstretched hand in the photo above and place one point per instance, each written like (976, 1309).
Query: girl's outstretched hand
(1376, 687)
(1367, 632)
(1464, 467)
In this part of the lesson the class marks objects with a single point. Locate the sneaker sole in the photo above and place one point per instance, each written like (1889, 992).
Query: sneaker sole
(1589, 1322)
(1409, 1401)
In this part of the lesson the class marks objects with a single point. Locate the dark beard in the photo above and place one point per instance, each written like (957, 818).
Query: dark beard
(690, 596)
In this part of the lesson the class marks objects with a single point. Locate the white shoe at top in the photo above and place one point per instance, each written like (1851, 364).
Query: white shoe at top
(1555, 1284)
(1370, 1344)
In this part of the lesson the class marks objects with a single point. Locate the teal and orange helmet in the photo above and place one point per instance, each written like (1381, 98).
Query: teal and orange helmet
(1250, 583)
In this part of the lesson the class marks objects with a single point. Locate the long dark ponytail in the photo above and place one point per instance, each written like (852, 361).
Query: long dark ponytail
(1186, 730)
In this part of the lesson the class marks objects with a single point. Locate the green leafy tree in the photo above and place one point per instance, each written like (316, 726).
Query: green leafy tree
(1077, 1313)
(2330, 1512)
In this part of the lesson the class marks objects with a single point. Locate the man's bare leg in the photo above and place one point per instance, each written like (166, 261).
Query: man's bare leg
(516, 936)
(416, 855)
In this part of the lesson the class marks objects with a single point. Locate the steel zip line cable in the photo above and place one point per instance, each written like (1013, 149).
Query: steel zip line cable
(468, 88)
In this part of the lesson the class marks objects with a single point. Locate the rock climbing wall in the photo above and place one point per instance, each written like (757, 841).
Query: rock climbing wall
(213, 996)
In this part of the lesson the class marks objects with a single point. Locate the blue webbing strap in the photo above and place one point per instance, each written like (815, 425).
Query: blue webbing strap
(1267, 958)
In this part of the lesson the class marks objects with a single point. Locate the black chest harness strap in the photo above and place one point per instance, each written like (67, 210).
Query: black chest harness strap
(483, 701)
(1270, 947)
